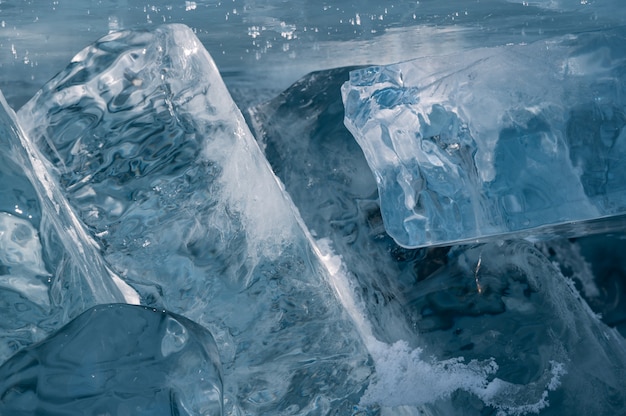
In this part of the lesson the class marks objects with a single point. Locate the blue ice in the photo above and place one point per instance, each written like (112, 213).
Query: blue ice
(266, 272)
(515, 140)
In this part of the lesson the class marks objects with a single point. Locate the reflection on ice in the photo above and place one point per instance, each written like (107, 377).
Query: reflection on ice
(21, 259)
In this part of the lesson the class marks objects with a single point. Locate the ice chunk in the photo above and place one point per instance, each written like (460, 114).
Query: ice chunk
(72, 254)
(157, 160)
(509, 302)
(324, 171)
(117, 359)
(461, 331)
(496, 141)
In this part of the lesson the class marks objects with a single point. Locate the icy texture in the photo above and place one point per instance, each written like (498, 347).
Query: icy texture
(415, 318)
(302, 134)
(508, 301)
(596, 264)
(116, 360)
(21, 259)
(475, 330)
(496, 141)
(43, 249)
(158, 163)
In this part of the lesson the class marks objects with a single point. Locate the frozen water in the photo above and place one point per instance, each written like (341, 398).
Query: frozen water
(157, 161)
(508, 301)
(21, 259)
(496, 141)
(596, 264)
(43, 249)
(140, 170)
(117, 360)
(459, 331)
(326, 175)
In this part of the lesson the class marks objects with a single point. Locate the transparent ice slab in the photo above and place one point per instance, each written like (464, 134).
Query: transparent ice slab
(157, 161)
(519, 139)
(116, 359)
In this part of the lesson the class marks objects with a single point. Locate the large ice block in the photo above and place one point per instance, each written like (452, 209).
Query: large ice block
(324, 171)
(157, 160)
(517, 139)
(116, 359)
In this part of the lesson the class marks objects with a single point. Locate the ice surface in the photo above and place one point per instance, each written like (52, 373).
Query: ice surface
(277, 42)
(21, 259)
(496, 141)
(508, 301)
(43, 249)
(117, 360)
(303, 137)
(461, 331)
(135, 168)
(157, 161)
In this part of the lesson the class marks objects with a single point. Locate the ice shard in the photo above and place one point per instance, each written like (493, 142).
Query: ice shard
(512, 140)
(157, 160)
(116, 359)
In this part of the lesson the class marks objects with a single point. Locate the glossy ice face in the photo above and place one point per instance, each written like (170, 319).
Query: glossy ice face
(494, 142)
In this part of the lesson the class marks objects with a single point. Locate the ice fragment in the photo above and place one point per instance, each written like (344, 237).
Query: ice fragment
(524, 140)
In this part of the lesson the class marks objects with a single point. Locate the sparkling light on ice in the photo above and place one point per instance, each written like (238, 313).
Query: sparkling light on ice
(184, 233)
